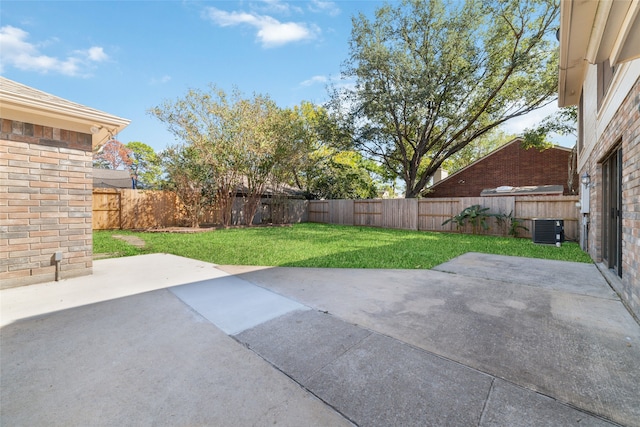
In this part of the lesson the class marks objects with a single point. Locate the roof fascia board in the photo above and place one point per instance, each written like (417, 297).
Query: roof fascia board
(565, 22)
(599, 25)
(575, 17)
(623, 35)
(61, 110)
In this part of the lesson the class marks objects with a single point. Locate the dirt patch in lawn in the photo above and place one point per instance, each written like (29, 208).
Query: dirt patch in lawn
(205, 228)
(132, 240)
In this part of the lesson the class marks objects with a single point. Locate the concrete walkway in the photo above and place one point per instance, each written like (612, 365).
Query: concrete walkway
(163, 340)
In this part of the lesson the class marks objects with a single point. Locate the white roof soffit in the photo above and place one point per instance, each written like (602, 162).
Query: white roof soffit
(614, 33)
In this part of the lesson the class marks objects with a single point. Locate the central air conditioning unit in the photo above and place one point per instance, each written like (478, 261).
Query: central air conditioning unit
(548, 231)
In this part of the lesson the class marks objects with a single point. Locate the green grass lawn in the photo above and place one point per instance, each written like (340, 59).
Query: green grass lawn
(320, 245)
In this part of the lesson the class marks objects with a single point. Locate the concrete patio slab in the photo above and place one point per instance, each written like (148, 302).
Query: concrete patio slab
(385, 382)
(372, 379)
(143, 360)
(112, 278)
(234, 305)
(509, 405)
(584, 279)
(377, 380)
(301, 343)
(579, 349)
(396, 347)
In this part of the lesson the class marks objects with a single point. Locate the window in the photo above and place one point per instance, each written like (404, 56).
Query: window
(605, 76)
(581, 123)
(612, 211)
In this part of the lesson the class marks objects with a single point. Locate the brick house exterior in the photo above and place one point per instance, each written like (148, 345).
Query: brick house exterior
(509, 165)
(600, 73)
(46, 148)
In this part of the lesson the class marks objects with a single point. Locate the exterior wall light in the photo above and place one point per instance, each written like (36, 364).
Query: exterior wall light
(585, 179)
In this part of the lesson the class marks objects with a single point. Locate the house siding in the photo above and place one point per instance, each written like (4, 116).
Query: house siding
(510, 165)
(45, 203)
(616, 124)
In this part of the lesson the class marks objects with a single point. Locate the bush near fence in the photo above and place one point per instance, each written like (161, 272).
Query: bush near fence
(429, 214)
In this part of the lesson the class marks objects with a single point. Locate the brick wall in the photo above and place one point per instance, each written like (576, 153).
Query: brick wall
(624, 128)
(45, 203)
(510, 165)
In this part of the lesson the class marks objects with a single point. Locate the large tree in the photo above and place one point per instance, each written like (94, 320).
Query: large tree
(191, 179)
(433, 76)
(341, 175)
(321, 166)
(145, 164)
(242, 141)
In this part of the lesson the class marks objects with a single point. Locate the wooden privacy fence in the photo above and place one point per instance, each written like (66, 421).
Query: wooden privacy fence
(127, 209)
(141, 209)
(429, 214)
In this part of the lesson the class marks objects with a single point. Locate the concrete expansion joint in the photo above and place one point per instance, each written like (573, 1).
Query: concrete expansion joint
(614, 283)
(486, 401)
(298, 383)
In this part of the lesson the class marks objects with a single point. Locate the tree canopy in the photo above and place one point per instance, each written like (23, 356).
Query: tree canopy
(563, 122)
(113, 154)
(431, 77)
(244, 144)
(320, 167)
(145, 164)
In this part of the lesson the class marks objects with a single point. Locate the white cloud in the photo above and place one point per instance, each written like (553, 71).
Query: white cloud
(314, 80)
(270, 31)
(320, 6)
(162, 80)
(97, 54)
(278, 6)
(19, 53)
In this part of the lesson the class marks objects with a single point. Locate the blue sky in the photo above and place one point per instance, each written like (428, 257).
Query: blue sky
(124, 57)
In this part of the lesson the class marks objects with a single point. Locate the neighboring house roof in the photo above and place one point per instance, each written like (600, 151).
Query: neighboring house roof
(26, 104)
(110, 178)
(271, 190)
(591, 32)
(509, 165)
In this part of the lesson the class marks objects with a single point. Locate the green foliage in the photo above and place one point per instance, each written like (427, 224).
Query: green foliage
(475, 215)
(321, 167)
(510, 224)
(332, 246)
(431, 77)
(242, 142)
(145, 164)
(191, 178)
(563, 122)
(340, 175)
